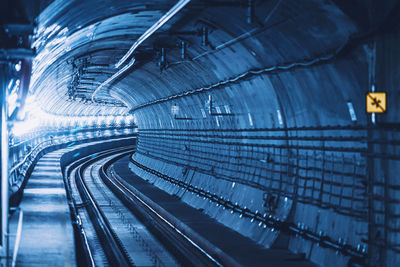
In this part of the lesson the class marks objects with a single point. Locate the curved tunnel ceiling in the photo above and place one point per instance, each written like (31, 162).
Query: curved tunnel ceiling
(251, 105)
(289, 46)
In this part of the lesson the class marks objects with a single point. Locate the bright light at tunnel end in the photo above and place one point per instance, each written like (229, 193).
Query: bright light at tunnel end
(34, 119)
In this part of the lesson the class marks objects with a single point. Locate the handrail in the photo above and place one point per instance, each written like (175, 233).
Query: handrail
(67, 130)
(26, 157)
(26, 141)
(13, 169)
(30, 153)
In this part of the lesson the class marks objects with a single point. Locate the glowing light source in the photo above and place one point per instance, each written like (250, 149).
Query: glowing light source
(129, 118)
(119, 120)
(35, 120)
(109, 120)
(82, 121)
(12, 102)
(24, 127)
(10, 84)
(175, 110)
(18, 66)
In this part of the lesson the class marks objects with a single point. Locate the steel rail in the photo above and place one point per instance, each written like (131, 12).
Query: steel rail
(113, 248)
(83, 251)
(263, 220)
(180, 242)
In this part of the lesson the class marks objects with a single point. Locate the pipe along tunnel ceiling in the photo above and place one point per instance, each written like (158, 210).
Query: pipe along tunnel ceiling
(263, 107)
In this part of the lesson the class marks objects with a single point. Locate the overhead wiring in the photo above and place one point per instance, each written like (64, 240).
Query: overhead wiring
(164, 19)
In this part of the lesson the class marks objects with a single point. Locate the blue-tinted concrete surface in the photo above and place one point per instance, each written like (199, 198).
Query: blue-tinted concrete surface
(242, 249)
(47, 235)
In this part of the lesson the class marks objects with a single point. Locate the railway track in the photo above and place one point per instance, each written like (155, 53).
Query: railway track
(117, 226)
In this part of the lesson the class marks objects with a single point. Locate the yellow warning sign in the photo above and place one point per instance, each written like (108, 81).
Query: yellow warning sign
(376, 102)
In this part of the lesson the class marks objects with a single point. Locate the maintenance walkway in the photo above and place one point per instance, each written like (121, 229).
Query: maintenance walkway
(47, 237)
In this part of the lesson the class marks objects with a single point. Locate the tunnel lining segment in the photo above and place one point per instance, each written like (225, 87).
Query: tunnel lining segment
(246, 75)
(270, 221)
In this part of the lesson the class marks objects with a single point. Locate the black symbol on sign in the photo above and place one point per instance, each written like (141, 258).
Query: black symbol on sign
(376, 102)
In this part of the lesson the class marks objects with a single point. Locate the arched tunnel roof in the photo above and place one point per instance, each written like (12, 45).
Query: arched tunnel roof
(292, 48)
(257, 106)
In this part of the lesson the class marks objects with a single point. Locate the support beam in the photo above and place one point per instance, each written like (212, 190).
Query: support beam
(250, 11)
(4, 166)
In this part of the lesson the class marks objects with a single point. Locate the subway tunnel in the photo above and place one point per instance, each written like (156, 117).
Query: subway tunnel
(215, 133)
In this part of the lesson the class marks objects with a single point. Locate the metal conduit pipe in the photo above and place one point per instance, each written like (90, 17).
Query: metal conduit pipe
(175, 9)
(164, 19)
(246, 75)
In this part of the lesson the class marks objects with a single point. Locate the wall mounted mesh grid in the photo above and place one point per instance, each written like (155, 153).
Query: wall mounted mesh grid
(324, 167)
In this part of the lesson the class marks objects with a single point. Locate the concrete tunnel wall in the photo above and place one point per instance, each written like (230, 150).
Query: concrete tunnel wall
(242, 172)
(321, 188)
(292, 140)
